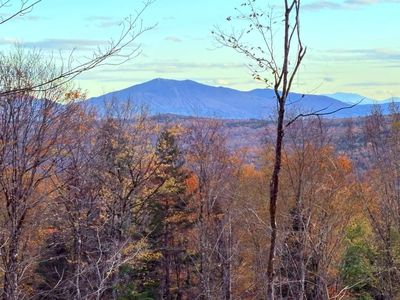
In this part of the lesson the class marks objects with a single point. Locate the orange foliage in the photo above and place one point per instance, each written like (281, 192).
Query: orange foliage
(192, 183)
(344, 163)
(74, 95)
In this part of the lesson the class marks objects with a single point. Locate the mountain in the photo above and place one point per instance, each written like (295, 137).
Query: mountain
(352, 98)
(392, 99)
(190, 98)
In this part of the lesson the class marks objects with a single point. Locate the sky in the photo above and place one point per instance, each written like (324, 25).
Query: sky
(353, 45)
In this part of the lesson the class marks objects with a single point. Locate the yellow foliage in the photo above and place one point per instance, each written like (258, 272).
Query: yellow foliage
(74, 95)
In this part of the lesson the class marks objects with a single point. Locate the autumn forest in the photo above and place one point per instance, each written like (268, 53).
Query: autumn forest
(117, 203)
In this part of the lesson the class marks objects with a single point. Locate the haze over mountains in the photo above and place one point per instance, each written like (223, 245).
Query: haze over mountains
(190, 98)
(352, 98)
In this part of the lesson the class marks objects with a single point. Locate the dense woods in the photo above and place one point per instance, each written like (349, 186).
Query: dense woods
(118, 204)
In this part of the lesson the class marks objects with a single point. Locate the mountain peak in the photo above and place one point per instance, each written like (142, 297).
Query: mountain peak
(171, 81)
(190, 98)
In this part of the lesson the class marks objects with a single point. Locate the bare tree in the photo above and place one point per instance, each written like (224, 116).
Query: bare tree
(22, 7)
(209, 160)
(32, 127)
(283, 70)
(117, 51)
(382, 201)
(317, 182)
(105, 182)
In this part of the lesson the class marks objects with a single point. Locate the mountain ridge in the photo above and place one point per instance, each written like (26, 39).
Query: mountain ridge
(353, 98)
(191, 98)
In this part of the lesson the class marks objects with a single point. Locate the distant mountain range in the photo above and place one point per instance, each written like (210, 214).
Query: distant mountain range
(190, 98)
(352, 98)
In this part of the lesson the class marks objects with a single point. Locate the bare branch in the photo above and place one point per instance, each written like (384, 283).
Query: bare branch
(320, 113)
(132, 29)
(24, 8)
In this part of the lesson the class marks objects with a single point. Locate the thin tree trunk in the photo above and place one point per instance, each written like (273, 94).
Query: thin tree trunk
(10, 274)
(167, 280)
(227, 272)
(11, 281)
(274, 188)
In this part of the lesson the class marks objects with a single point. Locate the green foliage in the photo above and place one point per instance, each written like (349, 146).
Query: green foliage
(167, 220)
(357, 269)
(131, 295)
(136, 283)
(170, 200)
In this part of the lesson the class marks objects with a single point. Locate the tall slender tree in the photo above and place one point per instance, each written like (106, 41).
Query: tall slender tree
(170, 216)
(283, 67)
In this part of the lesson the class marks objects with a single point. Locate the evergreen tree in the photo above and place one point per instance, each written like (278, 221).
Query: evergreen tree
(357, 269)
(170, 218)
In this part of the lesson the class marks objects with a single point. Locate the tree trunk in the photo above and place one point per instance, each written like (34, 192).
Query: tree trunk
(11, 270)
(167, 261)
(11, 279)
(274, 188)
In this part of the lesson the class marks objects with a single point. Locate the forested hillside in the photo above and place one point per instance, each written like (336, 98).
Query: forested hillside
(135, 208)
(137, 197)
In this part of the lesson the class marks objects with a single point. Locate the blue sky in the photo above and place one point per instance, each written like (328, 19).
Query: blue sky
(353, 45)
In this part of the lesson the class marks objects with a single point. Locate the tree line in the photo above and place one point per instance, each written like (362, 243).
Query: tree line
(118, 205)
(115, 205)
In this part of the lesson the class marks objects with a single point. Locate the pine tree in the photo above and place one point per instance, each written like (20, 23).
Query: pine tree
(170, 218)
(357, 268)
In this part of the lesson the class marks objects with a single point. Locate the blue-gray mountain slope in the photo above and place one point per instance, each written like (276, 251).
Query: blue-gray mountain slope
(189, 98)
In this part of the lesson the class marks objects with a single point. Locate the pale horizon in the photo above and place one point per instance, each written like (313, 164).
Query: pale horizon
(353, 46)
